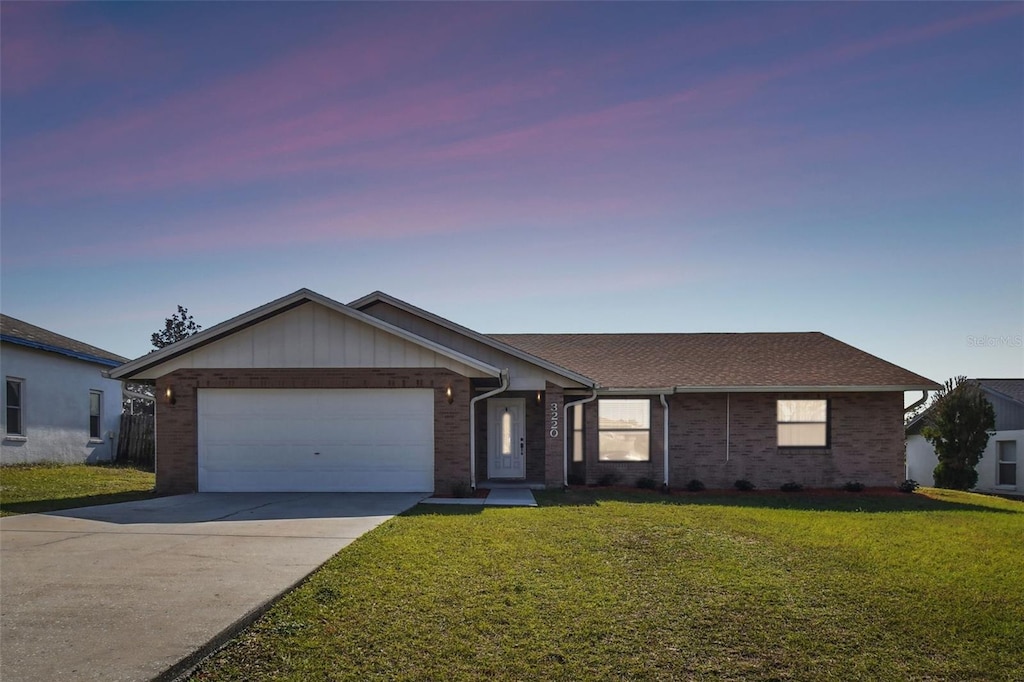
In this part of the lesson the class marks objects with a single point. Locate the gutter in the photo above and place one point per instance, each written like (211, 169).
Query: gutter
(664, 454)
(567, 432)
(472, 424)
(914, 406)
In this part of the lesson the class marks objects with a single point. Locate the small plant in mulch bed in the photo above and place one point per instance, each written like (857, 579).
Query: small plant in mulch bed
(576, 479)
(909, 486)
(744, 485)
(791, 487)
(646, 483)
(695, 486)
(853, 486)
(460, 490)
(608, 478)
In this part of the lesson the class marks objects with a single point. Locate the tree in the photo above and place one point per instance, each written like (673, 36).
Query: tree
(178, 326)
(958, 426)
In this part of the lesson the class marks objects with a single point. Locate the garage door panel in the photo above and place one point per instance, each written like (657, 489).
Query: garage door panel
(266, 439)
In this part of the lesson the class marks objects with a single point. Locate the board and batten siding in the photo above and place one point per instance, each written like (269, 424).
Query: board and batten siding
(524, 375)
(310, 335)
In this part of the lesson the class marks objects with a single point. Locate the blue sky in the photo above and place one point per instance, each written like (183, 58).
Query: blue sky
(856, 169)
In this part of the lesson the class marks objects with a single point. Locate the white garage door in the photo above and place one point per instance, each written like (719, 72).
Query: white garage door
(316, 440)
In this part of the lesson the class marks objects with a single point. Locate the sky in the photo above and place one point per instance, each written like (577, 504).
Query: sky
(850, 168)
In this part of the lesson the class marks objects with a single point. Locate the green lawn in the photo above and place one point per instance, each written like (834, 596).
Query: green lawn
(597, 586)
(39, 488)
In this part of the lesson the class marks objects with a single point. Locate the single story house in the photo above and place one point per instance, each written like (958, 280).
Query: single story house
(997, 469)
(59, 404)
(309, 394)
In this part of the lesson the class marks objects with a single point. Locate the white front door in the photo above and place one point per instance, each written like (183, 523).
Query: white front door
(506, 438)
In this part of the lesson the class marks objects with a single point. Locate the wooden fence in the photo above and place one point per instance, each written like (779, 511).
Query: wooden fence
(135, 445)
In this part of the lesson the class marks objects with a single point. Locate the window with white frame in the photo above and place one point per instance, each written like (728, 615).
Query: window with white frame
(1007, 451)
(95, 413)
(577, 433)
(624, 430)
(15, 405)
(803, 423)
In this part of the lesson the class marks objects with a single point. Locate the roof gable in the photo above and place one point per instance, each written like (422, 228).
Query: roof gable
(287, 333)
(29, 335)
(487, 348)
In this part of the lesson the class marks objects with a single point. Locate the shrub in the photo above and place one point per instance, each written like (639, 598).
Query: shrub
(853, 486)
(646, 483)
(608, 477)
(460, 489)
(791, 487)
(744, 484)
(576, 479)
(694, 486)
(909, 486)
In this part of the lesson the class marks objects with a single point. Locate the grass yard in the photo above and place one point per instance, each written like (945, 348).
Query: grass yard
(27, 489)
(609, 586)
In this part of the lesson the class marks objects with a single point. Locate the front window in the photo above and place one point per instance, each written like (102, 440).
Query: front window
(95, 423)
(1007, 462)
(624, 430)
(803, 423)
(15, 395)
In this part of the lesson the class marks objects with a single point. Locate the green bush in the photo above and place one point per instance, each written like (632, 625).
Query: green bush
(853, 486)
(744, 484)
(646, 483)
(695, 486)
(909, 486)
(608, 477)
(791, 487)
(460, 489)
(576, 479)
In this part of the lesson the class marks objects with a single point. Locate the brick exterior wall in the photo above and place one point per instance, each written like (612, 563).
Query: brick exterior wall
(177, 424)
(554, 434)
(867, 442)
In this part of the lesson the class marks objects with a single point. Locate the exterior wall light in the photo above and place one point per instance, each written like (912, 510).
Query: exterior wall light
(538, 398)
(448, 394)
(169, 393)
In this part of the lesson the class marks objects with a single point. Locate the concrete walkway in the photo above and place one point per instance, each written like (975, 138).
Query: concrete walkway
(499, 497)
(128, 591)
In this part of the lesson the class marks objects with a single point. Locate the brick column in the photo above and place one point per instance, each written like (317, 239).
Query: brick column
(554, 433)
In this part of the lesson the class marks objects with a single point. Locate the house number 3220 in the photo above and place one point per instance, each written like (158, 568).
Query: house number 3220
(554, 421)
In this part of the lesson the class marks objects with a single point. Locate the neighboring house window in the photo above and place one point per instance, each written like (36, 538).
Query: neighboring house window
(15, 407)
(1007, 450)
(803, 423)
(624, 430)
(577, 433)
(95, 423)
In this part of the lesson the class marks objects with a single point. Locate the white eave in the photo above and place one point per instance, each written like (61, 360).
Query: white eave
(380, 296)
(224, 329)
(666, 390)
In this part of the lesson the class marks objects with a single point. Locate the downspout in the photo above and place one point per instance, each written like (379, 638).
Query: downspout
(664, 456)
(566, 433)
(924, 397)
(728, 415)
(472, 424)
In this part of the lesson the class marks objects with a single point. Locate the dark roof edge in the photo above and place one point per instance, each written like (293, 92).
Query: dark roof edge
(106, 362)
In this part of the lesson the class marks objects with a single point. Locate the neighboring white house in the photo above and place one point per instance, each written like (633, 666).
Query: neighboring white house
(999, 469)
(58, 404)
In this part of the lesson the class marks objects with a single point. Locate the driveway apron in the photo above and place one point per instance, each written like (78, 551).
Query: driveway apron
(129, 591)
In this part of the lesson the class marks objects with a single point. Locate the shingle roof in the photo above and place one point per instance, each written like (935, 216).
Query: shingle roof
(25, 334)
(803, 359)
(1013, 388)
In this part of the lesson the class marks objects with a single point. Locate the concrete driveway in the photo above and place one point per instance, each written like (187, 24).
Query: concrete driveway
(129, 591)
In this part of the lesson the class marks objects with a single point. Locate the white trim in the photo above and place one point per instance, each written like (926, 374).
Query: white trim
(380, 296)
(127, 370)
